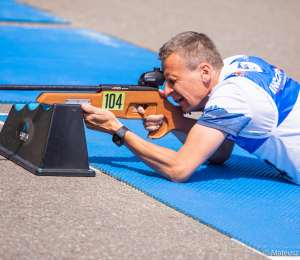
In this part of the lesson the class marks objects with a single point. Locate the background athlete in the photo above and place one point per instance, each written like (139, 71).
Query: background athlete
(246, 101)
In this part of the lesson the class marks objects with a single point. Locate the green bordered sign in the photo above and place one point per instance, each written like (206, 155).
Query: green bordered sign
(113, 100)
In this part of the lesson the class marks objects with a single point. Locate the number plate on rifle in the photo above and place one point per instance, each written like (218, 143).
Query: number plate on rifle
(113, 100)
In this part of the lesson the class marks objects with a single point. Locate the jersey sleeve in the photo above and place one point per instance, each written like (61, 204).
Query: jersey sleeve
(227, 110)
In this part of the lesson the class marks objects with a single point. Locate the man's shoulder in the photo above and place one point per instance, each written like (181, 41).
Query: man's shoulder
(240, 65)
(230, 59)
(230, 87)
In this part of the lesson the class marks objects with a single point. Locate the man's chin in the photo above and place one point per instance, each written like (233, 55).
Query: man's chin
(186, 110)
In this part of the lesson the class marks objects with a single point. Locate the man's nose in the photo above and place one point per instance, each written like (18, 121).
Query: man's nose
(168, 90)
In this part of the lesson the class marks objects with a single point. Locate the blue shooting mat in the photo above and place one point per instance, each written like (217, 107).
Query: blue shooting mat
(17, 12)
(58, 56)
(242, 198)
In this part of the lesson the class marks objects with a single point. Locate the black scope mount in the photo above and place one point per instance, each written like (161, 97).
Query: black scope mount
(153, 78)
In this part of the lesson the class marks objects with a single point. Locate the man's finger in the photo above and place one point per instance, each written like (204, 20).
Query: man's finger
(140, 109)
(87, 108)
(154, 118)
(152, 128)
(147, 124)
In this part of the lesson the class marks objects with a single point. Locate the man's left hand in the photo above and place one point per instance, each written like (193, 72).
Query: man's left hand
(100, 119)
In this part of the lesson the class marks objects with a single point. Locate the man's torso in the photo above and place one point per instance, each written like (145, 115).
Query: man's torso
(260, 105)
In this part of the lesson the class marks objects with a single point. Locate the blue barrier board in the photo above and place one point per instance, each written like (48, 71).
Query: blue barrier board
(14, 11)
(243, 198)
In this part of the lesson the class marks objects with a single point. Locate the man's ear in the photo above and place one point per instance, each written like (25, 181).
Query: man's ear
(205, 71)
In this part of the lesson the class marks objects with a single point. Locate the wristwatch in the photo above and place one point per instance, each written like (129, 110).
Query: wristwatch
(118, 136)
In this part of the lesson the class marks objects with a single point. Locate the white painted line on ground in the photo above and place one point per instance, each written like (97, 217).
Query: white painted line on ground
(284, 257)
(95, 169)
(271, 257)
(248, 247)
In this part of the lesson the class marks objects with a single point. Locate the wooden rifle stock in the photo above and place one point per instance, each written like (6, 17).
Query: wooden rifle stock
(120, 99)
(122, 103)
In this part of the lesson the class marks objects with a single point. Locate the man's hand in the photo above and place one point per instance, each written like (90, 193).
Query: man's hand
(100, 119)
(152, 122)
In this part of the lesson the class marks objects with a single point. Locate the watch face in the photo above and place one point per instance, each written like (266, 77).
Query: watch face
(117, 140)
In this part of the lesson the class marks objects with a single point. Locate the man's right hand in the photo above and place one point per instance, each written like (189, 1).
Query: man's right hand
(152, 122)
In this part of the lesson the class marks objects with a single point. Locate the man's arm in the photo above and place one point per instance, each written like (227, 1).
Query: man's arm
(220, 156)
(200, 144)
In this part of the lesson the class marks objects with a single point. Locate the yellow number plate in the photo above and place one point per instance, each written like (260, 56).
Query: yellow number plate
(113, 100)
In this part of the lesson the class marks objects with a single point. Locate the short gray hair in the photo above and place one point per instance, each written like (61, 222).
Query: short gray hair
(194, 48)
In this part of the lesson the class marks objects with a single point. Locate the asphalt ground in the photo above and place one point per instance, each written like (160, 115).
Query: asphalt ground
(98, 218)
(102, 218)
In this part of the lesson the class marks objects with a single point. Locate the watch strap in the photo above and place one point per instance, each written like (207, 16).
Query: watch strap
(118, 136)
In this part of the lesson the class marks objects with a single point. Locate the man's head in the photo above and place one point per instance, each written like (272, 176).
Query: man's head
(191, 64)
(194, 48)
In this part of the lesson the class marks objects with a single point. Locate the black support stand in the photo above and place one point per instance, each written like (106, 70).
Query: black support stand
(46, 140)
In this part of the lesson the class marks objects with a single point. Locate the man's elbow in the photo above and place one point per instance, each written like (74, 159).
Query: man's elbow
(220, 159)
(222, 154)
(179, 179)
(180, 175)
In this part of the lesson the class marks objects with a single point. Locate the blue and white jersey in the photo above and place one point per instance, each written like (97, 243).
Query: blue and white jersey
(259, 107)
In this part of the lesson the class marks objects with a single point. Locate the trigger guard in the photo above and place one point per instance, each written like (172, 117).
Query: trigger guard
(163, 129)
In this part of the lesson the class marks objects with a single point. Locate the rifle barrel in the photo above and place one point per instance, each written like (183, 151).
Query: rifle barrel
(51, 87)
(107, 87)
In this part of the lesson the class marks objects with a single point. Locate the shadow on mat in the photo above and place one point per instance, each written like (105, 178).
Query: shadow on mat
(235, 168)
(111, 161)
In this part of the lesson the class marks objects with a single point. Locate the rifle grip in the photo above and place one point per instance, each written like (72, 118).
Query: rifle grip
(162, 131)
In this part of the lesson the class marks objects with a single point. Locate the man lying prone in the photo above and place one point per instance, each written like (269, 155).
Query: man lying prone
(245, 100)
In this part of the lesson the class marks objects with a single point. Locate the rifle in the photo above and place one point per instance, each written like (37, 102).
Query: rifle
(120, 99)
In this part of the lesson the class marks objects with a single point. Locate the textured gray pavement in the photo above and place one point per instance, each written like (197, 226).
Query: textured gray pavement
(4, 108)
(102, 218)
(98, 218)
